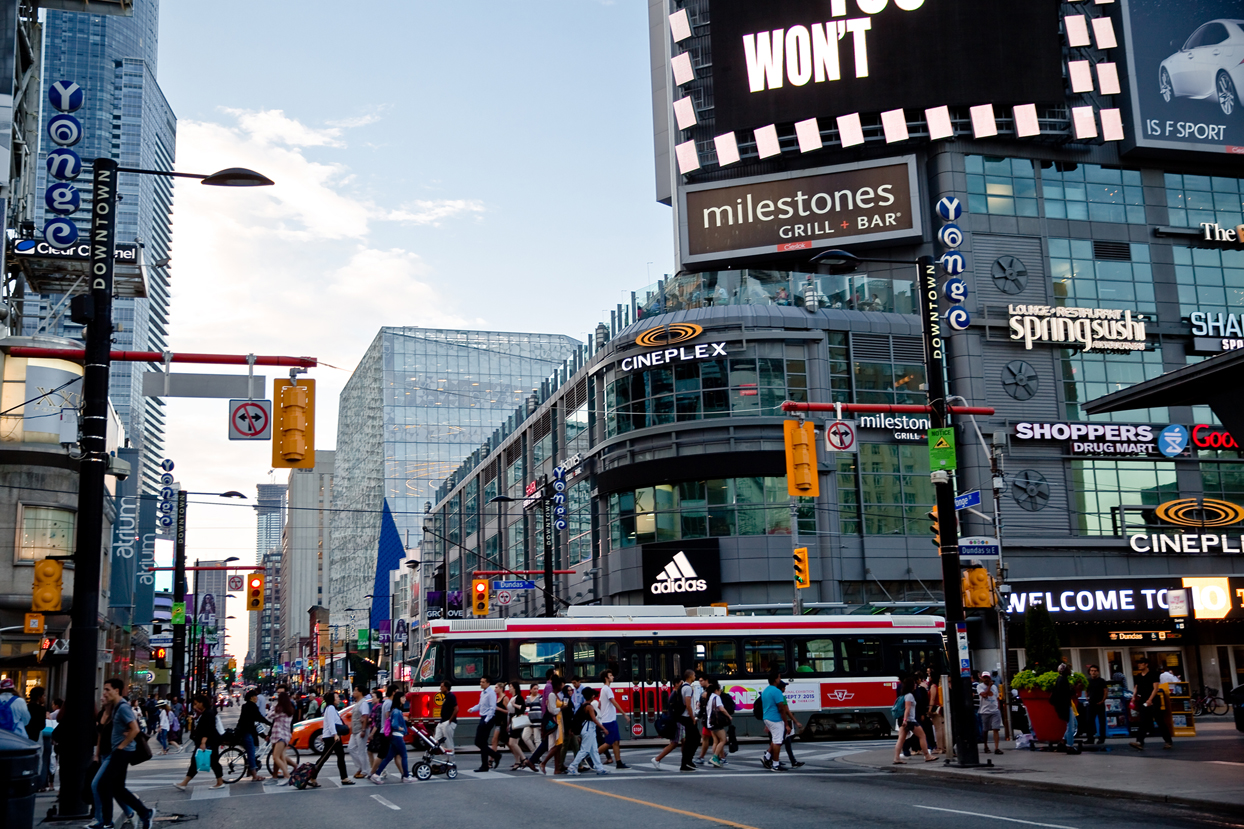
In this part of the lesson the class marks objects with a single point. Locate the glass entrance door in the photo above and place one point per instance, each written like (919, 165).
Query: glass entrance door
(653, 670)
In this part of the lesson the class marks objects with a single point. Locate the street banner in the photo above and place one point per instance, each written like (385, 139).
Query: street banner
(126, 541)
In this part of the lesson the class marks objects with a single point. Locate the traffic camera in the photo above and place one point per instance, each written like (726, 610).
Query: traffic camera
(801, 475)
(479, 597)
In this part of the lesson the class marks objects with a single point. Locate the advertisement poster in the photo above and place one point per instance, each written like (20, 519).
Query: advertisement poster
(1185, 73)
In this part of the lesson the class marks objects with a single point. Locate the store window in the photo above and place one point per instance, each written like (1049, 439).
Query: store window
(45, 531)
(1195, 199)
(705, 509)
(1209, 280)
(1085, 277)
(1101, 487)
(763, 655)
(475, 661)
(1001, 186)
(1093, 193)
(861, 292)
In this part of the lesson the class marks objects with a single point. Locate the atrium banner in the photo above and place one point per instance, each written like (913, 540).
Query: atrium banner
(126, 538)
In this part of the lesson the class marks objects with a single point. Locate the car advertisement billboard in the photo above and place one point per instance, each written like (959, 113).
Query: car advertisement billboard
(1185, 71)
(784, 62)
(869, 201)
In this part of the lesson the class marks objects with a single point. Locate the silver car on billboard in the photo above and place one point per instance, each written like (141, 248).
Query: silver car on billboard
(1209, 65)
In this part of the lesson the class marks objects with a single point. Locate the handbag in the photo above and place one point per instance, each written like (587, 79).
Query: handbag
(203, 760)
(342, 729)
(520, 721)
(142, 750)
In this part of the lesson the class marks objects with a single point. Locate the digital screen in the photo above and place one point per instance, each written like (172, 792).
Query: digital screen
(784, 62)
(1185, 72)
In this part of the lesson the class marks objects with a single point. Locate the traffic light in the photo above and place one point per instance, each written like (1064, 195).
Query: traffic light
(803, 574)
(254, 591)
(45, 590)
(801, 475)
(479, 597)
(293, 424)
(45, 645)
(936, 527)
(977, 588)
(160, 655)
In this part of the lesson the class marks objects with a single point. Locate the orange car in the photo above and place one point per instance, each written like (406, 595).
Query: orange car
(308, 734)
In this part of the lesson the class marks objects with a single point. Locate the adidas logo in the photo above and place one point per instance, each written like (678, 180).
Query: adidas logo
(678, 577)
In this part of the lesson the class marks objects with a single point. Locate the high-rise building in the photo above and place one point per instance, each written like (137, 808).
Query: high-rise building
(270, 512)
(125, 117)
(304, 562)
(264, 625)
(419, 402)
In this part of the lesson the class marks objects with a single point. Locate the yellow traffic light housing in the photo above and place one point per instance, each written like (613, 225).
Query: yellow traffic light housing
(801, 475)
(46, 587)
(254, 591)
(293, 424)
(803, 573)
(978, 588)
(479, 597)
(936, 527)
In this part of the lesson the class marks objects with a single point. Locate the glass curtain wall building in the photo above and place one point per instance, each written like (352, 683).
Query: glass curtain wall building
(419, 402)
(126, 117)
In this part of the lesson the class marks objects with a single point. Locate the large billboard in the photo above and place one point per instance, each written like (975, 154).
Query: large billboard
(788, 61)
(870, 201)
(1185, 71)
(682, 572)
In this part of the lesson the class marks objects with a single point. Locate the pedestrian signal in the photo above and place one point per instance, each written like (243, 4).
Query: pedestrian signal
(293, 424)
(46, 587)
(160, 655)
(254, 591)
(978, 588)
(479, 597)
(801, 474)
(803, 574)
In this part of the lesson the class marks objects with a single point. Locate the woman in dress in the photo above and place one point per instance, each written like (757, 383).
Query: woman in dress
(279, 736)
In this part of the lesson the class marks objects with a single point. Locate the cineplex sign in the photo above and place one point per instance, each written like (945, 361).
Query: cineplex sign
(867, 201)
(1113, 599)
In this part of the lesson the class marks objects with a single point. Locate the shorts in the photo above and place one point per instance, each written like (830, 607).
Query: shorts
(446, 730)
(991, 721)
(705, 731)
(777, 731)
(611, 732)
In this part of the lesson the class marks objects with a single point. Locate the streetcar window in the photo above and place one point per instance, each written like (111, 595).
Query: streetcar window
(592, 658)
(717, 657)
(431, 668)
(535, 658)
(763, 655)
(861, 655)
(815, 656)
(473, 662)
(914, 659)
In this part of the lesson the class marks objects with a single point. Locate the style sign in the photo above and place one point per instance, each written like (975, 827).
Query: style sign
(801, 210)
(250, 420)
(1177, 602)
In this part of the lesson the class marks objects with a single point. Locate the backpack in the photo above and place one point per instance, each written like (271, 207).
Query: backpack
(899, 709)
(578, 718)
(673, 702)
(922, 702)
(727, 702)
(665, 725)
(301, 776)
(7, 721)
(758, 707)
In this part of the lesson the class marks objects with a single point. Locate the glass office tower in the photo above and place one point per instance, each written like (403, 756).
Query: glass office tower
(125, 117)
(419, 402)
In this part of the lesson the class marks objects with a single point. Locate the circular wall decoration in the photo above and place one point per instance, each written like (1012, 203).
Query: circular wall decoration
(1030, 490)
(1020, 380)
(1010, 275)
(677, 332)
(1200, 512)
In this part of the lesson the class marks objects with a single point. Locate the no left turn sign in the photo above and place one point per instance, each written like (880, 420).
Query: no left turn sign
(236, 582)
(504, 597)
(840, 436)
(250, 420)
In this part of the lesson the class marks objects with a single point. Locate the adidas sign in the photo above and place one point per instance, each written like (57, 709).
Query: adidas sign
(678, 577)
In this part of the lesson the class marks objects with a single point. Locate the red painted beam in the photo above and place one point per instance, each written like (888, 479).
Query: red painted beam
(880, 408)
(158, 357)
(521, 572)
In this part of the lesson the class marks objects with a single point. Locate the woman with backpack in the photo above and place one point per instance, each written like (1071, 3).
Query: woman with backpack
(719, 720)
(395, 727)
(667, 724)
(905, 720)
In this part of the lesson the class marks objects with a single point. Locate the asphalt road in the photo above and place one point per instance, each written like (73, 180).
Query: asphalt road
(824, 792)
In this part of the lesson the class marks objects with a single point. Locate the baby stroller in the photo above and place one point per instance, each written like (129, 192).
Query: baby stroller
(433, 760)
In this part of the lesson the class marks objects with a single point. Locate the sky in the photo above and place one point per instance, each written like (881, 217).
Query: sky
(481, 165)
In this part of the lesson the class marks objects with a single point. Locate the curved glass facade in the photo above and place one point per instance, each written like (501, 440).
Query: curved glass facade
(712, 289)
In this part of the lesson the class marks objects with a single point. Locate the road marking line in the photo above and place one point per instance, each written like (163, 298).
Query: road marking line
(655, 805)
(384, 802)
(1224, 763)
(996, 817)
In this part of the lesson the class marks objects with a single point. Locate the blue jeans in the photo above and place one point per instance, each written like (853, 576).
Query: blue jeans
(162, 736)
(397, 746)
(587, 748)
(45, 760)
(1070, 736)
(109, 783)
(249, 742)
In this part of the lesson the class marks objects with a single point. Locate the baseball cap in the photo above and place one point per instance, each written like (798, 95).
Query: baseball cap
(6, 684)
(986, 675)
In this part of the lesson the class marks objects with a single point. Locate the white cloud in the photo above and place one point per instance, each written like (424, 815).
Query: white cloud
(431, 212)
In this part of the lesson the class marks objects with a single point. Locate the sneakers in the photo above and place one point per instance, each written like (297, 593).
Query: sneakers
(620, 766)
(656, 764)
(699, 761)
(602, 771)
(777, 767)
(1137, 746)
(149, 820)
(377, 779)
(688, 768)
(573, 772)
(766, 760)
(410, 778)
(95, 824)
(796, 764)
(713, 761)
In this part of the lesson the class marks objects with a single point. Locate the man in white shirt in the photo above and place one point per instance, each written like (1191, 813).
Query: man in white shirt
(487, 708)
(609, 717)
(1167, 676)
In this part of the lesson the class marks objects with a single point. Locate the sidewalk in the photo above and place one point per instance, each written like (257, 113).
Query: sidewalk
(1206, 770)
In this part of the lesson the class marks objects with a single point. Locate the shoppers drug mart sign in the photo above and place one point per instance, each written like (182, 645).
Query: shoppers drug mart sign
(1092, 329)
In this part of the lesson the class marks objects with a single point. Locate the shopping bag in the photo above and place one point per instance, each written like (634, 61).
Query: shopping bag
(203, 759)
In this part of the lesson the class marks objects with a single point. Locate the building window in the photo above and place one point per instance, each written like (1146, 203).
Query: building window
(1101, 487)
(1210, 280)
(45, 531)
(1117, 277)
(1001, 186)
(787, 288)
(576, 430)
(579, 519)
(1088, 375)
(893, 488)
(470, 512)
(705, 509)
(1094, 193)
(1195, 199)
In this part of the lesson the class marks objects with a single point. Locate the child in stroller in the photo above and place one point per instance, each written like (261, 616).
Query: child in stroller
(433, 760)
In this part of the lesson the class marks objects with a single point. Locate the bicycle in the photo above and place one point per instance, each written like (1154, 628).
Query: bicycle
(233, 758)
(1207, 702)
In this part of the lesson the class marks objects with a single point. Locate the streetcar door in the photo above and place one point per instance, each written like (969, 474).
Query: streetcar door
(653, 669)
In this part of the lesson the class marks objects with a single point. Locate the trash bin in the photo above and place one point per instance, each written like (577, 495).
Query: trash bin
(19, 766)
(1236, 698)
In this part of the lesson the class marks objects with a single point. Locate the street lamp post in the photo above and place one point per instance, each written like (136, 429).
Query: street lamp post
(841, 262)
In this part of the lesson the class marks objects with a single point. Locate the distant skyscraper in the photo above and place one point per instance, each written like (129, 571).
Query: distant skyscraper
(270, 511)
(420, 401)
(305, 573)
(264, 625)
(125, 117)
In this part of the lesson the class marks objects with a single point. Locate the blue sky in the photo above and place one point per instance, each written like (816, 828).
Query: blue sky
(442, 164)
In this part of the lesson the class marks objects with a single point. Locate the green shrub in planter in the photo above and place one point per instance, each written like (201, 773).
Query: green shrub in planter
(1031, 681)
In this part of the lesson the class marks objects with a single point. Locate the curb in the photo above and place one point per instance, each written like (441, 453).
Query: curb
(1209, 805)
